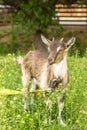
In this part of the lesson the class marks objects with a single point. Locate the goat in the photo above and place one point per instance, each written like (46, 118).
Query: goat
(46, 69)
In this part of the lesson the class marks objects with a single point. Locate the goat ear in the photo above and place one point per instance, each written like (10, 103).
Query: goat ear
(45, 40)
(19, 60)
(62, 40)
(70, 42)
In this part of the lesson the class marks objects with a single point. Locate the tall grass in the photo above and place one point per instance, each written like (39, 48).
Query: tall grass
(12, 115)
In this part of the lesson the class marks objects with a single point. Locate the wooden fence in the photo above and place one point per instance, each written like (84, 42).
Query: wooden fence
(5, 16)
(74, 16)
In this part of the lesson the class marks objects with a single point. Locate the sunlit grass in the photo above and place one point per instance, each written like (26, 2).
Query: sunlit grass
(12, 115)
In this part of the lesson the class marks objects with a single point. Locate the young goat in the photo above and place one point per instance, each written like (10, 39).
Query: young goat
(46, 69)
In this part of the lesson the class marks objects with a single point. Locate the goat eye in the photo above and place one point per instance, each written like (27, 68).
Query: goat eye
(59, 51)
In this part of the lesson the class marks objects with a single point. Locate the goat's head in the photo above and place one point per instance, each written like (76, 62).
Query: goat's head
(57, 49)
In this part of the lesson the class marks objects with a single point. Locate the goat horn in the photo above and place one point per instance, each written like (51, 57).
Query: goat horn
(61, 40)
(53, 39)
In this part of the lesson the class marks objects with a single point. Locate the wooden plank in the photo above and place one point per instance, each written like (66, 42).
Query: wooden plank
(80, 10)
(73, 18)
(71, 14)
(72, 23)
(72, 6)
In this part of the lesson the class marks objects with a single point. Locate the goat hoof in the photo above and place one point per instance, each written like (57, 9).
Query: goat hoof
(26, 110)
(62, 124)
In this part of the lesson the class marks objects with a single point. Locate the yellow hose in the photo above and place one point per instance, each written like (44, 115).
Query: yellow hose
(14, 92)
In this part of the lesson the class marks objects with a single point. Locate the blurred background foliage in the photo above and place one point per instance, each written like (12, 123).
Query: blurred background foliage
(30, 19)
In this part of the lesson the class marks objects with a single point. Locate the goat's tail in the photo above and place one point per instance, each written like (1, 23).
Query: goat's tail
(19, 60)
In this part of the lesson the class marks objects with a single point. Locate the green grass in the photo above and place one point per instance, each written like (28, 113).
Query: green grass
(12, 115)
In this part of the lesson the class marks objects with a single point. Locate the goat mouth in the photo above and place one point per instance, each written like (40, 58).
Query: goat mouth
(50, 63)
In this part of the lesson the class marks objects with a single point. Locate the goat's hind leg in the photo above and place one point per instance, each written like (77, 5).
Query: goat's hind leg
(26, 84)
(33, 87)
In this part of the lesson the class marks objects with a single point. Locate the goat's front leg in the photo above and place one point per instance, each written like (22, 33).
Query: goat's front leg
(26, 83)
(61, 106)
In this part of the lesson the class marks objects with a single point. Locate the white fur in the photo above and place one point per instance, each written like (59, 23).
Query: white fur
(43, 77)
(60, 69)
(58, 49)
(25, 80)
(19, 60)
